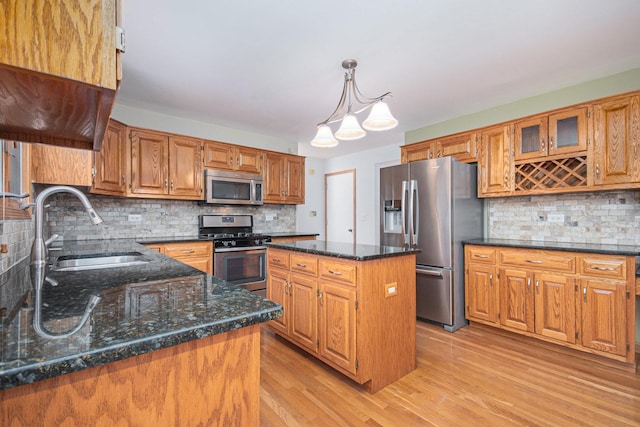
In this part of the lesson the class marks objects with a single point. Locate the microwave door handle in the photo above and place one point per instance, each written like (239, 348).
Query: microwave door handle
(405, 211)
(253, 191)
(415, 213)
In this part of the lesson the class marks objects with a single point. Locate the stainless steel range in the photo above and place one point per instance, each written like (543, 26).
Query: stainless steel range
(239, 254)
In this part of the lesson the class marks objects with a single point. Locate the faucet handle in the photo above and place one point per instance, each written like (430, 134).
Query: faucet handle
(51, 239)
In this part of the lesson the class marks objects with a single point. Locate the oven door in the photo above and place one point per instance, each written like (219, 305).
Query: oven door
(242, 266)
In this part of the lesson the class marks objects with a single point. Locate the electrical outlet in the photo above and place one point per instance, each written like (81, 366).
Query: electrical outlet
(555, 217)
(134, 217)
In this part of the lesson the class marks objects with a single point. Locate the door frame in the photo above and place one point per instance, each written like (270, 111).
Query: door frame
(326, 217)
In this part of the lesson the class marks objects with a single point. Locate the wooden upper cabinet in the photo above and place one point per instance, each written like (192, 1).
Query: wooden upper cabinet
(65, 51)
(463, 147)
(110, 163)
(60, 165)
(564, 132)
(616, 148)
(185, 175)
(284, 178)
(220, 155)
(149, 162)
(494, 162)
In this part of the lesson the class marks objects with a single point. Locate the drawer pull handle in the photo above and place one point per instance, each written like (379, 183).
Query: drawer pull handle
(480, 256)
(533, 261)
(595, 267)
(337, 273)
(302, 265)
(276, 259)
(188, 251)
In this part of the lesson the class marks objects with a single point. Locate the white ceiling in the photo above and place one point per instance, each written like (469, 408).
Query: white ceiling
(273, 66)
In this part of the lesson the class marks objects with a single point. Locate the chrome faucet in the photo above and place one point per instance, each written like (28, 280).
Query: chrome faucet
(39, 247)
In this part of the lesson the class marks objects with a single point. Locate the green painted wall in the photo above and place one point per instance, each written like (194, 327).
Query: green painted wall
(600, 88)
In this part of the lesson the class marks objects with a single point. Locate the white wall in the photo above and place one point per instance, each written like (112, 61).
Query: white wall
(147, 119)
(367, 165)
(310, 216)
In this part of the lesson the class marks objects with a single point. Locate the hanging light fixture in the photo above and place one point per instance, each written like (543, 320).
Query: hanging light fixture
(379, 118)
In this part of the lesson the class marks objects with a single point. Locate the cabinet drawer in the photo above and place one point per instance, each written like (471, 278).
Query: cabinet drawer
(190, 249)
(304, 264)
(278, 259)
(484, 254)
(338, 271)
(610, 267)
(548, 261)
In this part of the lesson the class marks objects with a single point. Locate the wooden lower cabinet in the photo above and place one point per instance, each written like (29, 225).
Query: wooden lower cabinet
(580, 300)
(196, 254)
(340, 311)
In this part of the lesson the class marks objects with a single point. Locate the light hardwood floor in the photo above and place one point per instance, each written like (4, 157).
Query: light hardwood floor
(472, 377)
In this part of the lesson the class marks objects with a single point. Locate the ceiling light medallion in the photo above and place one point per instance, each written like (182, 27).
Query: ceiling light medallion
(379, 118)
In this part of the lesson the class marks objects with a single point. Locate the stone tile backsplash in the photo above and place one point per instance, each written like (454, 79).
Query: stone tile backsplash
(17, 235)
(611, 217)
(158, 218)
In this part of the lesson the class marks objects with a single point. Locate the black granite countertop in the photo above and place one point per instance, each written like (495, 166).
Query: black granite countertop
(290, 234)
(343, 250)
(141, 308)
(195, 238)
(626, 250)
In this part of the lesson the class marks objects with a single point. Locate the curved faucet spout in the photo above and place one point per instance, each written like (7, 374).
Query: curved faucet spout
(39, 247)
(38, 277)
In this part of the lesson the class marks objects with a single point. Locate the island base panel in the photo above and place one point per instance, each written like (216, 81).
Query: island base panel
(211, 381)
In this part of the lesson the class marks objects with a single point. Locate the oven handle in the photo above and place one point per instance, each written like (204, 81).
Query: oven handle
(244, 249)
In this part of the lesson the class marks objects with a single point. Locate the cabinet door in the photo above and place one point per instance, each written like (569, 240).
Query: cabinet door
(604, 316)
(273, 184)
(516, 299)
(248, 159)
(278, 291)
(555, 307)
(111, 161)
(304, 301)
(337, 327)
(218, 155)
(495, 162)
(481, 293)
(462, 147)
(60, 165)
(294, 179)
(416, 152)
(616, 148)
(530, 138)
(149, 159)
(568, 131)
(185, 178)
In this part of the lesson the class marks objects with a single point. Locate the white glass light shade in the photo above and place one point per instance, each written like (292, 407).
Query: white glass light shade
(350, 129)
(380, 118)
(324, 138)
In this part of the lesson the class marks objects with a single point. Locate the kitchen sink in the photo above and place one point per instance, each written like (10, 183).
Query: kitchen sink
(96, 261)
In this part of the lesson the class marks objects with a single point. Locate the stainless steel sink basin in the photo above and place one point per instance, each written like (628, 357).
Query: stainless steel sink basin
(96, 261)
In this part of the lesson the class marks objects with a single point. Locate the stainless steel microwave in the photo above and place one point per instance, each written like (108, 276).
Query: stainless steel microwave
(232, 188)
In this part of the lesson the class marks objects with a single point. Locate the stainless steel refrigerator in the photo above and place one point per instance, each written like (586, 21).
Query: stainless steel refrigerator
(433, 205)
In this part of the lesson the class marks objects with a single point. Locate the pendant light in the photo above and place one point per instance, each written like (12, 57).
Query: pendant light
(379, 119)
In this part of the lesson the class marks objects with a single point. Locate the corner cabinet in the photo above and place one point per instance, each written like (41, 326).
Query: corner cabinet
(356, 316)
(284, 178)
(578, 300)
(110, 163)
(66, 53)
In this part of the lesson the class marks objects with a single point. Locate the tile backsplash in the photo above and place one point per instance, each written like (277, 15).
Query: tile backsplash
(151, 218)
(611, 217)
(17, 235)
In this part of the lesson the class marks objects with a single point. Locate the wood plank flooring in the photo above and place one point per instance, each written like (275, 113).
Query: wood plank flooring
(472, 377)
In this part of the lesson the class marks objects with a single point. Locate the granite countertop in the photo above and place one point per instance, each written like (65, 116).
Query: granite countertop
(626, 250)
(194, 238)
(141, 308)
(343, 250)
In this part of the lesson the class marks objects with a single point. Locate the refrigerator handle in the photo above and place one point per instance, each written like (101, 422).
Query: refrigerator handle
(403, 207)
(415, 214)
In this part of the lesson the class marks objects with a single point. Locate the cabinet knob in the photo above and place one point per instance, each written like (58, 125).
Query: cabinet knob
(597, 170)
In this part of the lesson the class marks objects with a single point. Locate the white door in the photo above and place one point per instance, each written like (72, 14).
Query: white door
(340, 206)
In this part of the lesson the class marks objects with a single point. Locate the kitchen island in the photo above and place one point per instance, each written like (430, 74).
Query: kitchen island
(351, 306)
(162, 343)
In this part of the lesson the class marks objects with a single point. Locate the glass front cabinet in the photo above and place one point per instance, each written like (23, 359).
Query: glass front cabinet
(564, 132)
